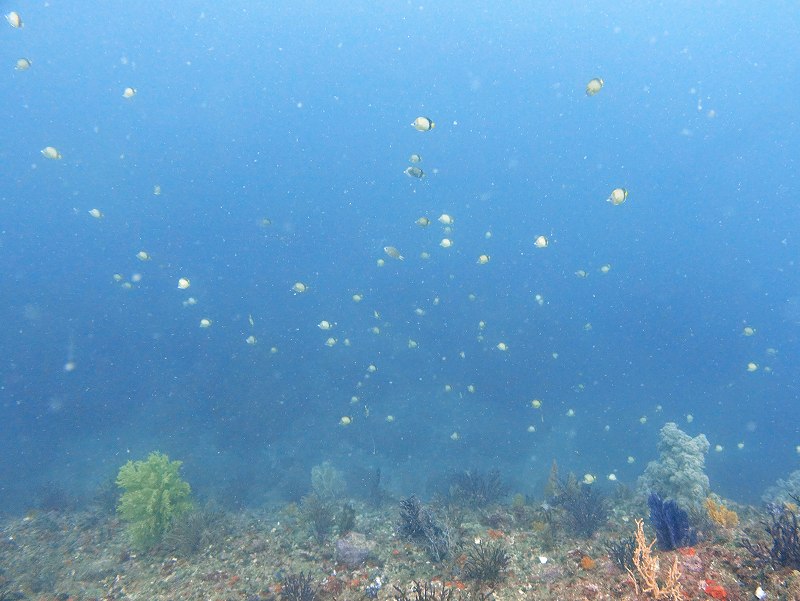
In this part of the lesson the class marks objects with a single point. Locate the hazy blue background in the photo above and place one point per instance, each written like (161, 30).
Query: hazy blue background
(300, 112)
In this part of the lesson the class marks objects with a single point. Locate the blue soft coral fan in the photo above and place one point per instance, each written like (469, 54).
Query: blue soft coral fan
(671, 524)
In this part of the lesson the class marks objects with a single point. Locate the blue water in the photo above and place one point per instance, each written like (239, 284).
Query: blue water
(299, 112)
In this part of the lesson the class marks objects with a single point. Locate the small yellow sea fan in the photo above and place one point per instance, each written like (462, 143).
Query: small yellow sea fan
(721, 515)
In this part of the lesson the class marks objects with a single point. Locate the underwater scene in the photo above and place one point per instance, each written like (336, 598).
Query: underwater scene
(399, 301)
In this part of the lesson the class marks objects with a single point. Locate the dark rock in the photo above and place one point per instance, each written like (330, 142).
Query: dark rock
(353, 549)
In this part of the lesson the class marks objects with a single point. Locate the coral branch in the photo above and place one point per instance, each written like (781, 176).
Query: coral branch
(646, 578)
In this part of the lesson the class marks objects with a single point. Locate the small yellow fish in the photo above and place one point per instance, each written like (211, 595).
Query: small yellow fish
(393, 253)
(617, 196)
(594, 86)
(51, 153)
(423, 124)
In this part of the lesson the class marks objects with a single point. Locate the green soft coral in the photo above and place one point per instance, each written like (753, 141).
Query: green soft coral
(154, 496)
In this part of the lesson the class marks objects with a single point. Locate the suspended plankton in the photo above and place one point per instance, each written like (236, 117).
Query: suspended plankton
(14, 20)
(502, 346)
(299, 288)
(539, 299)
(594, 86)
(190, 302)
(184, 283)
(423, 222)
(414, 172)
(748, 331)
(446, 243)
(23, 64)
(617, 196)
(541, 242)
(393, 253)
(424, 255)
(423, 124)
(50, 152)
(446, 219)
(96, 213)
(205, 323)
(483, 259)
(143, 255)
(415, 158)
(325, 325)
(129, 92)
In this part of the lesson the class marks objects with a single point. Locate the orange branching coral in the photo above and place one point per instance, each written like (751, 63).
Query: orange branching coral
(721, 515)
(646, 579)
